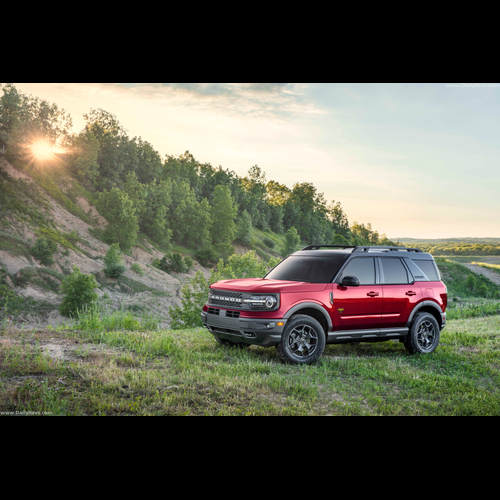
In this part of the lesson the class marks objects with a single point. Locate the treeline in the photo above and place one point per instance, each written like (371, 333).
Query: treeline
(177, 199)
(461, 249)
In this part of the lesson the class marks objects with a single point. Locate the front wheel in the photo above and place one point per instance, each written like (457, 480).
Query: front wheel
(303, 341)
(423, 337)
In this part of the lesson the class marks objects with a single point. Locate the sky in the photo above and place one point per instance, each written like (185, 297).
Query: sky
(414, 160)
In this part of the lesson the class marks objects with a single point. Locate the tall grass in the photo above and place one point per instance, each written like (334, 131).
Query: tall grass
(472, 309)
(100, 318)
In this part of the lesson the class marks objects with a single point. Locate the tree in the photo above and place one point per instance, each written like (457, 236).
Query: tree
(114, 262)
(83, 158)
(292, 242)
(78, 292)
(43, 249)
(117, 208)
(244, 228)
(224, 211)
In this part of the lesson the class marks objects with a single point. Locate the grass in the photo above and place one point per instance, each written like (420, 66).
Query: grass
(99, 318)
(464, 283)
(187, 373)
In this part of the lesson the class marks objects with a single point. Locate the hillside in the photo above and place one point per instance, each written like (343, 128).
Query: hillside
(32, 288)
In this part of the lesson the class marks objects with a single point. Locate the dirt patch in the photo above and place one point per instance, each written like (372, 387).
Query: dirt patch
(491, 275)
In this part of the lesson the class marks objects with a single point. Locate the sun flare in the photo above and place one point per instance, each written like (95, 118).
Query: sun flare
(42, 150)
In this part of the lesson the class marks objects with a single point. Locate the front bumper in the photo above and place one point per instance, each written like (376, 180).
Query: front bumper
(261, 332)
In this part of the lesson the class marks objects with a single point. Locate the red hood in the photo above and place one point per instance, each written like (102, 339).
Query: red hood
(260, 285)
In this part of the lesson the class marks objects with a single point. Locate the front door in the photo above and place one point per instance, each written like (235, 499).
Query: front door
(358, 307)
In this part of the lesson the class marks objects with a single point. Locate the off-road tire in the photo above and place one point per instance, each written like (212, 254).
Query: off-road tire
(423, 335)
(303, 340)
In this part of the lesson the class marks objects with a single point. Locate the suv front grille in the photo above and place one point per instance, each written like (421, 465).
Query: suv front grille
(225, 298)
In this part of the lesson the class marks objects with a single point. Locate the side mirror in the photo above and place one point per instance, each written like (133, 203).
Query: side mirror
(350, 281)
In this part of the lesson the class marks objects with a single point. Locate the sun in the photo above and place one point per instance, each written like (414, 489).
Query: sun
(42, 150)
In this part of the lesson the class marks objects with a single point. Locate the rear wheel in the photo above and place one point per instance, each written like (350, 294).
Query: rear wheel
(423, 337)
(303, 340)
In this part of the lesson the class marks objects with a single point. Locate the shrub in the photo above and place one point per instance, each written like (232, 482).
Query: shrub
(188, 263)
(43, 249)
(205, 256)
(78, 292)
(114, 262)
(269, 242)
(137, 269)
(115, 270)
(174, 262)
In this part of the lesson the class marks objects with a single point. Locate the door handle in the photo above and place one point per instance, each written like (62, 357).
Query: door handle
(372, 294)
(411, 292)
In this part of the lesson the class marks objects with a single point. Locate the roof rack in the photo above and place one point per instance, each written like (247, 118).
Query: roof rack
(385, 249)
(357, 248)
(317, 247)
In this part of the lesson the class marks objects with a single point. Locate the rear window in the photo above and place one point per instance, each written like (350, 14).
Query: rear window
(429, 268)
(309, 269)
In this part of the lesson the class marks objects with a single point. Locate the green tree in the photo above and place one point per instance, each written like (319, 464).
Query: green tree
(84, 155)
(244, 228)
(224, 211)
(292, 241)
(245, 265)
(114, 262)
(43, 249)
(117, 208)
(78, 292)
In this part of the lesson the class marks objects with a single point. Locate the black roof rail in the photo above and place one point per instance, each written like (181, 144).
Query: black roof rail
(317, 247)
(385, 249)
(363, 248)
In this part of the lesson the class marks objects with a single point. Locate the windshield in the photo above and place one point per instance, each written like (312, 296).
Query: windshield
(314, 269)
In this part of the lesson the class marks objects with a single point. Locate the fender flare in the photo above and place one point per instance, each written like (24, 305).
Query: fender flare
(312, 305)
(419, 306)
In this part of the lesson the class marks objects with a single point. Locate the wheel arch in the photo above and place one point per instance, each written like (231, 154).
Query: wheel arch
(430, 307)
(314, 310)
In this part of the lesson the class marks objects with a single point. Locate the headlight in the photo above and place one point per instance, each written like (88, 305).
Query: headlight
(262, 302)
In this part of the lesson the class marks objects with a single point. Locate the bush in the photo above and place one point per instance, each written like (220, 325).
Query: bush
(114, 262)
(269, 242)
(78, 292)
(43, 249)
(188, 263)
(137, 269)
(115, 270)
(205, 256)
(174, 262)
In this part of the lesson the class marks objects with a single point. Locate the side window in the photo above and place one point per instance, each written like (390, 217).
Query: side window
(393, 271)
(429, 268)
(363, 268)
(418, 274)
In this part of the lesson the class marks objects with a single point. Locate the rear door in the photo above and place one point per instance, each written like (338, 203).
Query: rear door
(358, 307)
(401, 293)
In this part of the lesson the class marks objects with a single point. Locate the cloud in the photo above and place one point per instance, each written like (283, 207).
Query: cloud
(265, 100)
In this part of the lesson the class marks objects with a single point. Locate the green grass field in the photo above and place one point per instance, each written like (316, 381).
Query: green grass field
(187, 373)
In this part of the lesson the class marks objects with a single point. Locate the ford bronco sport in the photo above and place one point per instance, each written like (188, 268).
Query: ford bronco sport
(328, 294)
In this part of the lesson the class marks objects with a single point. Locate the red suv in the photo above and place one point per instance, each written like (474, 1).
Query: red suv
(326, 294)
